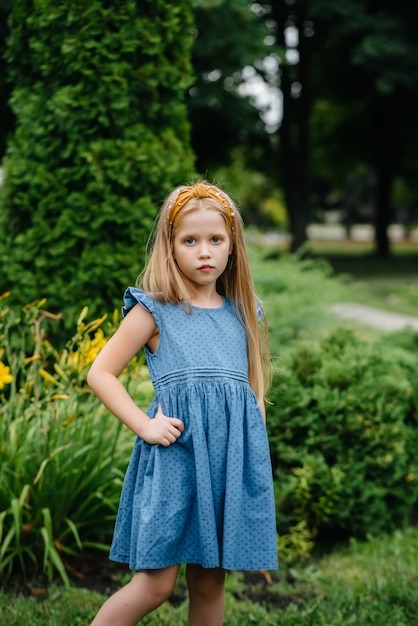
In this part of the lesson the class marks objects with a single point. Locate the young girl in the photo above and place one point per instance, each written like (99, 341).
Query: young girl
(198, 488)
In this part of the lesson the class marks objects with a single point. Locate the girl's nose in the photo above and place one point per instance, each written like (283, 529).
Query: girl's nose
(204, 251)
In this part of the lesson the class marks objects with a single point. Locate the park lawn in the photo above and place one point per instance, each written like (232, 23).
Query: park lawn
(362, 584)
(394, 289)
(390, 284)
(396, 294)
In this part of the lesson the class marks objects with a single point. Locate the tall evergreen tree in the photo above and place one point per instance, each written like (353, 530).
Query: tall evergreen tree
(101, 136)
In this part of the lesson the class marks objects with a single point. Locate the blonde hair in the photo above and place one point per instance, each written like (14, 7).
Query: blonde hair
(162, 278)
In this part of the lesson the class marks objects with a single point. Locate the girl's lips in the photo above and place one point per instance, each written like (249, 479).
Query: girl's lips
(205, 268)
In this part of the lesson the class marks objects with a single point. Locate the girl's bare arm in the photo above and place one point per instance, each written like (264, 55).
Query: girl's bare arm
(134, 332)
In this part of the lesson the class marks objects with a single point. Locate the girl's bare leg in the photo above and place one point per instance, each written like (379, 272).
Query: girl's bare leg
(145, 592)
(206, 596)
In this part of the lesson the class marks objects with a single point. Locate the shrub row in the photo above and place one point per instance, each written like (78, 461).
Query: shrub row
(344, 436)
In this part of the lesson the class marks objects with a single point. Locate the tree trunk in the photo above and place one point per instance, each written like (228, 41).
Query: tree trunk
(385, 150)
(294, 129)
(294, 160)
(383, 210)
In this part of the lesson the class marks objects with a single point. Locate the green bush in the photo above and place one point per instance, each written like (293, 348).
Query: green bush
(101, 136)
(344, 437)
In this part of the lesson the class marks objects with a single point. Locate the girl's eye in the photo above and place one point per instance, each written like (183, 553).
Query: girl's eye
(216, 239)
(189, 241)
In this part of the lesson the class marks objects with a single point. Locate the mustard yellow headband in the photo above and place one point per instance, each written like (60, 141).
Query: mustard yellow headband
(201, 190)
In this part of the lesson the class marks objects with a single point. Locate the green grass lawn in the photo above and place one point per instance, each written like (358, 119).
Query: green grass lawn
(374, 583)
(390, 284)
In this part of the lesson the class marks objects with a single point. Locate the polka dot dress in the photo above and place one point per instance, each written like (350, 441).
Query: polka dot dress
(208, 497)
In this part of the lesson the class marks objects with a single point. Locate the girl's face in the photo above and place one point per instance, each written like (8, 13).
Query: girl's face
(201, 247)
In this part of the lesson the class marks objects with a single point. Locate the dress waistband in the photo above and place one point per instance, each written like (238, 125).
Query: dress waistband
(179, 377)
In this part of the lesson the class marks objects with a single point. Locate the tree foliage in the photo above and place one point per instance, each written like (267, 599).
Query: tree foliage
(229, 37)
(101, 136)
(375, 45)
(356, 61)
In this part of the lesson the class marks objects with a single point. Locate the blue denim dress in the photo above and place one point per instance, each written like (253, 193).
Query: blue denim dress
(208, 497)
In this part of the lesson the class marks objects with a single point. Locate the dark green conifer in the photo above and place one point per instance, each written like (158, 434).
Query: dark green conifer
(102, 135)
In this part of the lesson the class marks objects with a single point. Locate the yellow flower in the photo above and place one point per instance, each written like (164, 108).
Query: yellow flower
(94, 346)
(48, 377)
(87, 352)
(5, 375)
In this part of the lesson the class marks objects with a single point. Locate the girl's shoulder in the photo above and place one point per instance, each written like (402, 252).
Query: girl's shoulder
(135, 295)
(157, 304)
(259, 309)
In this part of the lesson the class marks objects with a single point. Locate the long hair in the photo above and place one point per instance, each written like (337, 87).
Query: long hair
(162, 278)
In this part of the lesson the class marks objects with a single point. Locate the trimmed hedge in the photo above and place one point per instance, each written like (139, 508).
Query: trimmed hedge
(344, 436)
(102, 135)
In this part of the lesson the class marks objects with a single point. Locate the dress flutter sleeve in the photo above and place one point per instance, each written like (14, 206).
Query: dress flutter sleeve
(133, 296)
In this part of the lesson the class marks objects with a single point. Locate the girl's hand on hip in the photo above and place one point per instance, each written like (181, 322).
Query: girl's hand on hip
(162, 430)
